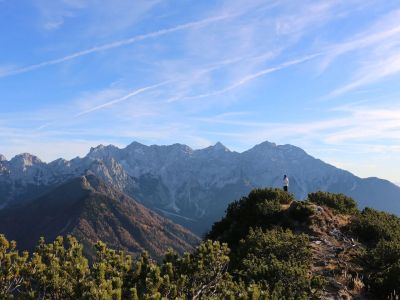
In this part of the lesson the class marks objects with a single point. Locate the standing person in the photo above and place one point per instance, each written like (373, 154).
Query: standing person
(285, 183)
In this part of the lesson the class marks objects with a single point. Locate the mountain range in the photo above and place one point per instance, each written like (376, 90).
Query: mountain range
(191, 187)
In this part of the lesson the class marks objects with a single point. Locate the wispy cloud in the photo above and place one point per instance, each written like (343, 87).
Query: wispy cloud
(376, 54)
(385, 29)
(374, 71)
(116, 44)
(368, 124)
(121, 99)
(248, 78)
(363, 40)
(375, 127)
(243, 46)
(107, 18)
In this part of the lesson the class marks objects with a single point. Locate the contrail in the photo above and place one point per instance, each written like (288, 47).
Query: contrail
(121, 99)
(248, 78)
(116, 44)
(273, 69)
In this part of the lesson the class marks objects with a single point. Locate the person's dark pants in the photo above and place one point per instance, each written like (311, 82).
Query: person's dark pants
(285, 188)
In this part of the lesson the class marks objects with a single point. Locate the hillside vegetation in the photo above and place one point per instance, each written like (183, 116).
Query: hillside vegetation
(267, 246)
(90, 210)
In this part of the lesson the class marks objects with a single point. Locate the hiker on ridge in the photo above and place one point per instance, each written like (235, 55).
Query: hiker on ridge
(285, 183)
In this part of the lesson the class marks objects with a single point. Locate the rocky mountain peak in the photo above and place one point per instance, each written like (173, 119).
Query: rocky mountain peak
(25, 160)
(2, 158)
(135, 148)
(135, 145)
(60, 162)
(264, 146)
(181, 148)
(220, 147)
(100, 147)
(263, 149)
(284, 152)
(291, 148)
(101, 151)
(217, 148)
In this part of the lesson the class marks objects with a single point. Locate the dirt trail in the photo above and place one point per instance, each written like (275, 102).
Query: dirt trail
(333, 255)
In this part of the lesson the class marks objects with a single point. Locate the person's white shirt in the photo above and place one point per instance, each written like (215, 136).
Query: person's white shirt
(286, 181)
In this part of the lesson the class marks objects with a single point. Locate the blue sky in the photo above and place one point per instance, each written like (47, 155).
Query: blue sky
(322, 75)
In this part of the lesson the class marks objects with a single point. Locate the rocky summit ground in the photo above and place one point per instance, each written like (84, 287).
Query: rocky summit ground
(335, 255)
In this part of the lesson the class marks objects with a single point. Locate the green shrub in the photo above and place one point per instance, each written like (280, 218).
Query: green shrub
(381, 233)
(301, 211)
(386, 281)
(13, 268)
(261, 208)
(338, 202)
(385, 253)
(276, 258)
(59, 270)
(271, 194)
(371, 226)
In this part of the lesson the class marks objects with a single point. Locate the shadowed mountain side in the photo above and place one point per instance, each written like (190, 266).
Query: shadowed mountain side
(90, 210)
